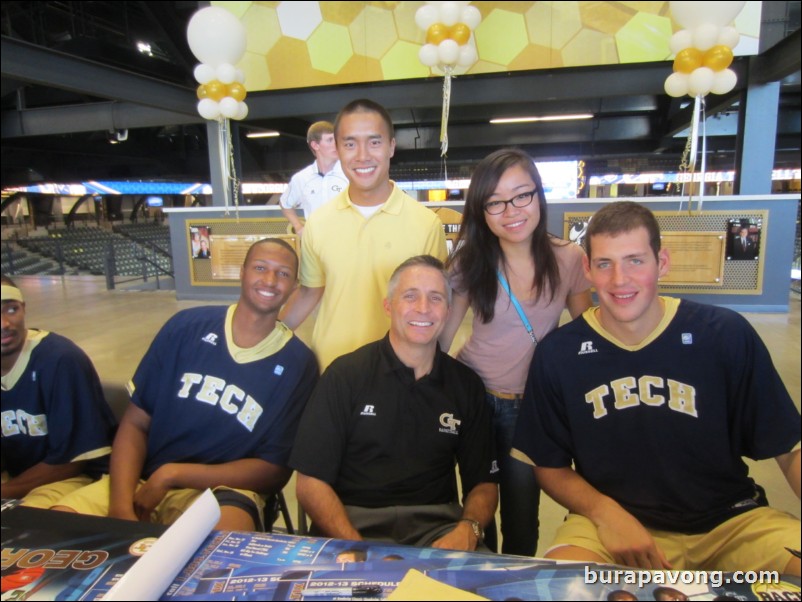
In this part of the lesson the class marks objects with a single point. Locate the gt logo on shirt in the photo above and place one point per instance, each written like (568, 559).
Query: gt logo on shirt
(19, 421)
(210, 392)
(628, 393)
(450, 423)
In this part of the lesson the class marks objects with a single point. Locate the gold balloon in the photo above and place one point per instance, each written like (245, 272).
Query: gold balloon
(460, 33)
(201, 92)
(436, 34)
(718, 57)
(237, 91)
(215, 90)
(687, 60)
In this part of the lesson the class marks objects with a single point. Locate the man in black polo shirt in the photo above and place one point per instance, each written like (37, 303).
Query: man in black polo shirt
(377, 444)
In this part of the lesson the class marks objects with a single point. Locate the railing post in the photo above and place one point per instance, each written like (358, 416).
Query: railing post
(109, 265)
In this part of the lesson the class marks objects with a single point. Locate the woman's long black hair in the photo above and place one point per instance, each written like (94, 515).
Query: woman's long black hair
(478, 253)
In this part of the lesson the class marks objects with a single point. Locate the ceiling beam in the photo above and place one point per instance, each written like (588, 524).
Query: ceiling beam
(488, 89)
(46, 67)
(779, 61)
(88, 117)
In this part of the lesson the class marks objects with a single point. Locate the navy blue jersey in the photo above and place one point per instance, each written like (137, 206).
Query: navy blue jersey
(660, 427)
(211, 402)
(53, 409)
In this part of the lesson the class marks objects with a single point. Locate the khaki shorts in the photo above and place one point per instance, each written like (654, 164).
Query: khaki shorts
(752, 541)
(51, 494)
(94, 500)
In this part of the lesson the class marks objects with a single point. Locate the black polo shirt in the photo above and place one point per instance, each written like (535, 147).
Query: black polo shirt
(381, 438)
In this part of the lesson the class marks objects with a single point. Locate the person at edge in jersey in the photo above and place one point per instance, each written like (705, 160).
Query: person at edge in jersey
(317, 183)
(518, 278)
(655, 401)
(215, 404)
(57, 426)
(377, 444)
(351, 245)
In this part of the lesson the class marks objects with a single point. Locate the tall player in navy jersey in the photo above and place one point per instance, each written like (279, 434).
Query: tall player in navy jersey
(654, 401)
(215, 403)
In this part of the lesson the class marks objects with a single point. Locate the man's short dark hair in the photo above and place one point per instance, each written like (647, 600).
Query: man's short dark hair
(620, 217)
(365, 105)
(278, 241)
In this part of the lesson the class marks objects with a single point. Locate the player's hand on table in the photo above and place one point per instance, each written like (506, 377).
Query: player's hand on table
(460, 537)
(629, 542)
(150, 495)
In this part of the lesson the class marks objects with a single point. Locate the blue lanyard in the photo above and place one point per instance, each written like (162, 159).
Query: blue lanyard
(505, 285)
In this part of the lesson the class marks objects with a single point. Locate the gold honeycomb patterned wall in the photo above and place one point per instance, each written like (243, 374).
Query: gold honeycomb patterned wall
(299, 44)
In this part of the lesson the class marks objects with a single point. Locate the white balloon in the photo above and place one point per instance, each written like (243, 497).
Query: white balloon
(203, 73)
(450, 12)
(680, 41)
(694, 13)
(428, 55)
(426, 16)
(229, 107)
(242, 112)
(208, 109)
(729, 36)
(240, 76)
(226, 73)
(471, 17)
(724, 81)
(700, 81)
(448, 52)
(677, 84)
(467, 56)
(705, 36)
(216, 36)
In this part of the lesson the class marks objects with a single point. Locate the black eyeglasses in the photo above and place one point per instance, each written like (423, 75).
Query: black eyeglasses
(520, 200)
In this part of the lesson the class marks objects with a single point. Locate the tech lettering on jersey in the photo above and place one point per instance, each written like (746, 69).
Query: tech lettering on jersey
(15, 422)
(215, 391)
(629, 393)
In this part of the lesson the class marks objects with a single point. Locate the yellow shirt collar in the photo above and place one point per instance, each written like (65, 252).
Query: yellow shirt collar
(271, 344)
(670, 306)
(33, 338)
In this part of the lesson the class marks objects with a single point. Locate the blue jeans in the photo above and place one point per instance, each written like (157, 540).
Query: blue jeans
(518, 489)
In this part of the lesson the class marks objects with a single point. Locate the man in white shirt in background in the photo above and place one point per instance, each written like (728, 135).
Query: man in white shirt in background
(318, 182)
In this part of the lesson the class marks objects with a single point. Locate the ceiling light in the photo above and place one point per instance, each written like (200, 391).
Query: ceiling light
(543, 118)
(262, 134)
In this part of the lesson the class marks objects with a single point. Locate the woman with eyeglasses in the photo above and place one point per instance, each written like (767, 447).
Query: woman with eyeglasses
(517, 278)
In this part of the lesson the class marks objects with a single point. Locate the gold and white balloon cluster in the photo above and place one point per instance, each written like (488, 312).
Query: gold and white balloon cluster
(448, 26)
(217, 39)
(703, 50)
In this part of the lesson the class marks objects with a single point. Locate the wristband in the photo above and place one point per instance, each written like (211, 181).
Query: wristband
(475, 527)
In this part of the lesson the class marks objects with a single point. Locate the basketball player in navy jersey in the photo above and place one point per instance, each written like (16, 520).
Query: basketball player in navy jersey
(637, 414)
(215, 404)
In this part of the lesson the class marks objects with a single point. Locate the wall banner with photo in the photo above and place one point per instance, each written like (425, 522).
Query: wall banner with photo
(743, 238)
(200, 242)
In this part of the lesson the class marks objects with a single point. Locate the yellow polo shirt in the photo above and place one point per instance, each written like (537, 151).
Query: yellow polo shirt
(353, 258)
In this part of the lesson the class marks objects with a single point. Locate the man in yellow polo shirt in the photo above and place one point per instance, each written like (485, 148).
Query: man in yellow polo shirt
(351, 245)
